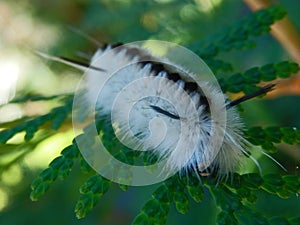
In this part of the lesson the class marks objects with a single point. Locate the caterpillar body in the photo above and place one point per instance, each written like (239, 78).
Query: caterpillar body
(167, 86)
(159, 107)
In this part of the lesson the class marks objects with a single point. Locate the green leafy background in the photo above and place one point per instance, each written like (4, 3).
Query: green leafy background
(224, 35)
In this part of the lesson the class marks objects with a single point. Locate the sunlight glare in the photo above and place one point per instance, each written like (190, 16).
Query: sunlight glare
(9, 73)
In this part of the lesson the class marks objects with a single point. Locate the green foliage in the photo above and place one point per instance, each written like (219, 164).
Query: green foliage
(38, 97)
(156, 209)
(90, 193)
(246, 81)
(232, 196)
(60, 168)
(266, 137)
(236, 196)
(56, 118)
(237, 36)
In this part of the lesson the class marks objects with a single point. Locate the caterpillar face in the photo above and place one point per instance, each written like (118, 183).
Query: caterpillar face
(157, 106)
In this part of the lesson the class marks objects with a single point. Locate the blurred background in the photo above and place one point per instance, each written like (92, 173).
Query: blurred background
(30, 25)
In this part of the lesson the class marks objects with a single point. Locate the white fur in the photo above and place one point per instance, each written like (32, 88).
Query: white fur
(143, 128)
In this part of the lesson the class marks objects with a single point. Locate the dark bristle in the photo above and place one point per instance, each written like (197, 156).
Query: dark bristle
(190, 86)
(116, 44)
(144, 63)
(105, 46)
(156, 67)
(204, 102)
(164, 112)
(173, 76)
(262, 91)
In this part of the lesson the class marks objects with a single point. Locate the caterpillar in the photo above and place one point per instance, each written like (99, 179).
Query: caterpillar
(158, 105)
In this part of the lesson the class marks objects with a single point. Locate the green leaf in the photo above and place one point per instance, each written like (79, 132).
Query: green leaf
(292, 183)
(194, 188)
(248, 217)
(248, 80)
(33, 125)
(141, 219)
(236, 36)
(225, 218)
(60, 167)
(91, 192)
(267, 136)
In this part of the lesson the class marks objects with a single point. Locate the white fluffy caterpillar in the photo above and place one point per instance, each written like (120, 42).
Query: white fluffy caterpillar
(171, 94)
(158, 106)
